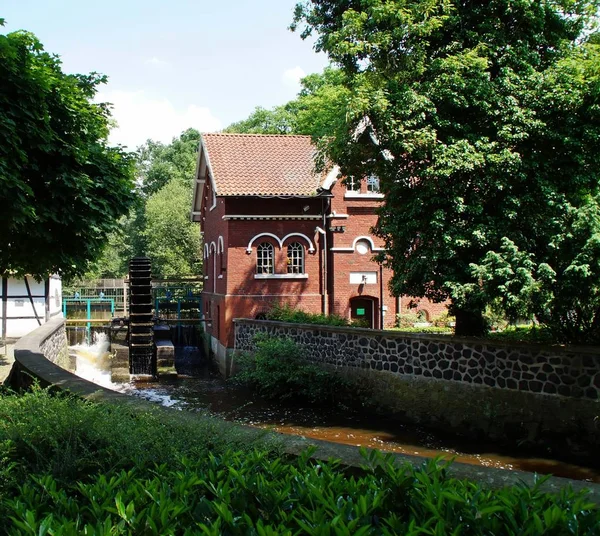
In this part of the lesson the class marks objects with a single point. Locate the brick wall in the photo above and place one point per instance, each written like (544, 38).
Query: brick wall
(231, 289)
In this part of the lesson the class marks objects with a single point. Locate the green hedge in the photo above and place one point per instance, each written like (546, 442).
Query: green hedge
(253, 493)
(200, 484)
(285, 313)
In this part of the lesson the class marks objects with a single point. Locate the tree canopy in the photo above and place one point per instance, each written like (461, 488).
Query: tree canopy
(62, 188)
(482, 120)
(316, 111)
(159, 224)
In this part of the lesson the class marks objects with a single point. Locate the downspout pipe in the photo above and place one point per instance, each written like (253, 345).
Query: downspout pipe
(381, 310)
(324, 298)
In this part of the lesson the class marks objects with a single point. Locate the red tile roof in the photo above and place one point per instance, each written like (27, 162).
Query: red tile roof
(262, 164)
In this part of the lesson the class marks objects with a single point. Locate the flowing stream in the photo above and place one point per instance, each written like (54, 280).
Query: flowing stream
(204, 390)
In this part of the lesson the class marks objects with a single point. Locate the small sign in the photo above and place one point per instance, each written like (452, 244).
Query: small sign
(360, 312)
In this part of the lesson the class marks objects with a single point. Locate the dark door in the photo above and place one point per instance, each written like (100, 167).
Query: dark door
(361, 311)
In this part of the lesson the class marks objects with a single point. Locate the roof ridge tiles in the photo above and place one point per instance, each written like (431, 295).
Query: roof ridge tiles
(242, 134)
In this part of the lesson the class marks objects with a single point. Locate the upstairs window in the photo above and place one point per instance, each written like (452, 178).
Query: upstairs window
(373, 184)
(264, 259)
(352, 185)
(295, 258)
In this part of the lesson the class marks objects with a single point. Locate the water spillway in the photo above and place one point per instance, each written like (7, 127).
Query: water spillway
(142, 358)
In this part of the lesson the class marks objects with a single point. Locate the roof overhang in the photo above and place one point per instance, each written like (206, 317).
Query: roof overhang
(202, 174)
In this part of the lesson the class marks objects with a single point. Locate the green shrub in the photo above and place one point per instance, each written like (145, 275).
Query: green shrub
(254, 493)
(70, 438)
(285, 313)
(444, 320)
(524, 334)
(426, 329)
(406, 320)
(278, 370)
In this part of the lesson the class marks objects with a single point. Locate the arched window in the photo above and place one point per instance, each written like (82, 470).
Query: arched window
(295, 258)
(264, 259)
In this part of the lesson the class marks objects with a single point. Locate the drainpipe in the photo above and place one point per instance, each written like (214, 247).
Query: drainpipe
(324, 268)
(381, 296)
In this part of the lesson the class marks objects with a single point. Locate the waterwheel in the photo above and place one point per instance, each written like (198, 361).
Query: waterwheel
(142, 359)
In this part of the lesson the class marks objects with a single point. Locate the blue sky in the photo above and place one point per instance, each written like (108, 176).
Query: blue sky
(174, 64)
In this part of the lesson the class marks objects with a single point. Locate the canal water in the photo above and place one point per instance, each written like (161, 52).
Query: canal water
(201, 389)
(207, 392)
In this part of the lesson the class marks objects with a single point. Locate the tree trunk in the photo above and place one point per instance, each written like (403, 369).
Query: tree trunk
(469, 323)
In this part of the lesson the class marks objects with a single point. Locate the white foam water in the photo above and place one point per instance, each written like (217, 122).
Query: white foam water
(93, 363)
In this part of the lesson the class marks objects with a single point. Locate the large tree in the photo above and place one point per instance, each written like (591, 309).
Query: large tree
(482, 120)
(173, 241)
(158, 164)
(62, 187)
(159, 224)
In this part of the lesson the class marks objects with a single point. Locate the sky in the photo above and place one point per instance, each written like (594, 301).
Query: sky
(174, 64)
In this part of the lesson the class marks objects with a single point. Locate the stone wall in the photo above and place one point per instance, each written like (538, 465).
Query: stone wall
(524, 368)
(54, 347)
(527, 397)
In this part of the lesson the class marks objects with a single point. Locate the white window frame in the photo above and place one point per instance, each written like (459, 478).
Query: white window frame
(352, 185)
(265, 255)
(295, 258)
(373, 184)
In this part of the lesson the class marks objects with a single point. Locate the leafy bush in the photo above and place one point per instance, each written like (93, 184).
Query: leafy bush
(278, 370)
(285, 313)
(200, 486)
(526, 334)
(406, 320)
(444, 320)
(426, 329)
(68, 438)
(254, 493)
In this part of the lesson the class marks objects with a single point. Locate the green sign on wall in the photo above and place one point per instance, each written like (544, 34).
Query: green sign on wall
(360, 312)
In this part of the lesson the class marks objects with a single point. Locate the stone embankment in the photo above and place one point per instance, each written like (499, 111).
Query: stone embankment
(522, 394)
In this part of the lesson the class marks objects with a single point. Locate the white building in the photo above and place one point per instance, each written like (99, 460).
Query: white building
(26, 304)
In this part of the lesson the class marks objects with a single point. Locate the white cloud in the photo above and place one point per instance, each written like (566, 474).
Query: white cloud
(156, 61)
(291, 77)
(140, 117)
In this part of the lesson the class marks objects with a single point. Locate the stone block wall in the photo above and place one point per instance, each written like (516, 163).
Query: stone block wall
(54, 347)
(544, 399)
(525, 368)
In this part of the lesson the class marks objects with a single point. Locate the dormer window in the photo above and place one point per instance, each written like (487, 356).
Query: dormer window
(373, 184)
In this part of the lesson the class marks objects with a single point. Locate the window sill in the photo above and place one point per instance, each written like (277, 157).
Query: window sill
(358, 195)
(280, 276)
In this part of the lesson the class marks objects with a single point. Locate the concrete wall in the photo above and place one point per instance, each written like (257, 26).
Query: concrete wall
(533, 394)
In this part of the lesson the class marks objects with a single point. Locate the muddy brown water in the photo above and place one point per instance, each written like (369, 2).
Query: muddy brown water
(206, 391)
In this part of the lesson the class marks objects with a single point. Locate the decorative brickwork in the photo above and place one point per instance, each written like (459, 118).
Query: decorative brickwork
(526, 368)
(253, 190)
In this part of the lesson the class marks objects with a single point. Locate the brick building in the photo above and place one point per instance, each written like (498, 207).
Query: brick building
(276, 232)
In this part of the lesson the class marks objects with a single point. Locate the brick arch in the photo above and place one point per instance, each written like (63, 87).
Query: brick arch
(311, 248)
(279, 241)
(367, 239)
